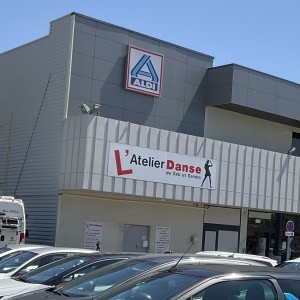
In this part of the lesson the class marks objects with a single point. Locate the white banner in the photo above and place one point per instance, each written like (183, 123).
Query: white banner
(162, 239)
(93, 235)
(159, 166)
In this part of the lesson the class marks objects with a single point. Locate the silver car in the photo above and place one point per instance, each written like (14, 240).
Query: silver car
(26, 260)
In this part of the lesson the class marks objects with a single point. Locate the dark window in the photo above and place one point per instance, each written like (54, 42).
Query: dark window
(238, 289)
(296, 143)
(42, 261)
(290, 287)
(87, 269)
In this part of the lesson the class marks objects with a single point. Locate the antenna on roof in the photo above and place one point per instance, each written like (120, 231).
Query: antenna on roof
(181, 257)
(238, 247)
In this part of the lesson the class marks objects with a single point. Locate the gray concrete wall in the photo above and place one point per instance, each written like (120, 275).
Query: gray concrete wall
(84, 208)
(233, 127)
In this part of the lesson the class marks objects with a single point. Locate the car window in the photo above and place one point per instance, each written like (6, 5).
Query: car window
(4, 249)
(290, 265)
(14, 261)
(105, 277)
(41, 275)
(162, 285)
(42, 261)
(291, 287)
(87, 269)
(7, 255)
(238, 290)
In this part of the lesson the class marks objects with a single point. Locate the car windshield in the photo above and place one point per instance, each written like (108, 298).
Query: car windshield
(7, 255)
(4, 249)
(106, 277)
(158, 286)
(41, 275)
(14, 261)
(290, 265)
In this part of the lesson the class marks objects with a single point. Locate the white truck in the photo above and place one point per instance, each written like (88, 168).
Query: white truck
(12, 221)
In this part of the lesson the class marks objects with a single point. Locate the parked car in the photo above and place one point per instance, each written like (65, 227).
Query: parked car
(28, 260)
(63, 270)
(96, 282)
(263, 259)
(208, 282)
(292, 264)
(7, 251)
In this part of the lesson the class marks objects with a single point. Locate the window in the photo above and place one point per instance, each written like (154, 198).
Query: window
(88, 269)
(290, 287)
(238, 290)
(16, 260)
(42, 261)
(296, 143)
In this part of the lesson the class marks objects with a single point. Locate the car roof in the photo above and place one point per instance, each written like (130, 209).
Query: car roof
(267, 260)
(200, 270)
(14, 248)
(24, 246)
(93, 257)
(296, 260)
(176, 257)
(50, 249)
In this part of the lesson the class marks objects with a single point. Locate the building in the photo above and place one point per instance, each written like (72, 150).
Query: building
(129, 176)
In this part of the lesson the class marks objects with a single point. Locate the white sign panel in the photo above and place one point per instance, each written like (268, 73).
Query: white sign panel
(144, 71)
(289, 233)
(159, 166)
(162, 239)
(93, 235)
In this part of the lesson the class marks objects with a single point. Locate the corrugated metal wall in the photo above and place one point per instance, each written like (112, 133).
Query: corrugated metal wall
(246, 176)
(32, 91)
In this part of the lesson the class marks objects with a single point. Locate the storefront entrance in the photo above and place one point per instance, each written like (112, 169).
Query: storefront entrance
(219, 237)
(261, 233)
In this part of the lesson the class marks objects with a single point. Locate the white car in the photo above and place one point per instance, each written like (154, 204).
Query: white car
(61, 271)
(262, 259)
(27, 260)
(292, 264)
(12, 249)
(10, 288)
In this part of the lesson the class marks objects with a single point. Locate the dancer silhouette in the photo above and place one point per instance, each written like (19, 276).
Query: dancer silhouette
(207, 165)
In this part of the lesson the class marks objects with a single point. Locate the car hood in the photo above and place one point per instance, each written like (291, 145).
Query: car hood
(11, 287)
(5, 275)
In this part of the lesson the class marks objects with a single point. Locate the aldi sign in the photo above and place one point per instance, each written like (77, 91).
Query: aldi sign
(134, 162)
(144, 71)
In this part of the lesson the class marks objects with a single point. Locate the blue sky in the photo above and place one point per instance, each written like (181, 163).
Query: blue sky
(258, 34)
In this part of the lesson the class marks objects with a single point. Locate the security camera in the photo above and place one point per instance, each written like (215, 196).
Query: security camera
(95, 109)
(84, 108)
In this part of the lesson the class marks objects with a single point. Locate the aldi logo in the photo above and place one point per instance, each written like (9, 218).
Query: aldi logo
(144, 71)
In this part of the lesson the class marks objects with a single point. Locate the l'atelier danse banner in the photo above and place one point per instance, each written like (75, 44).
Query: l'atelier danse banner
(159, 166)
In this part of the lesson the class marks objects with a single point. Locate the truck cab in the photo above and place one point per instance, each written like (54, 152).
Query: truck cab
(12, 221)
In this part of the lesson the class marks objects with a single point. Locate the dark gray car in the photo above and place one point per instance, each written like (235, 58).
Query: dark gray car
(209, 282)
